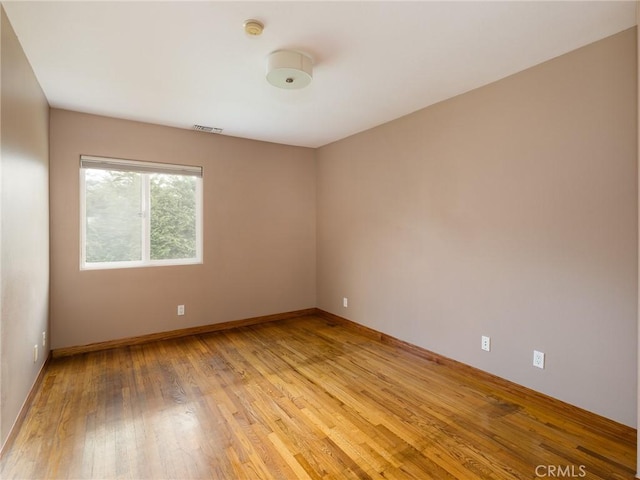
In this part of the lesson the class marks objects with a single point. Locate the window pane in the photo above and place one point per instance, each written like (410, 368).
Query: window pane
(114, 217)
(173, 216)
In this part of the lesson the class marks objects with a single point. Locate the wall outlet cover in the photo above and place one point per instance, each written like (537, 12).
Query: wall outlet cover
(538, 359)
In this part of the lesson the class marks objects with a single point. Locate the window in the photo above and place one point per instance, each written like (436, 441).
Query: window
(137, 214)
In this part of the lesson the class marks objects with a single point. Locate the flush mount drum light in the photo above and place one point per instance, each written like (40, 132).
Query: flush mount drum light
(290, 70)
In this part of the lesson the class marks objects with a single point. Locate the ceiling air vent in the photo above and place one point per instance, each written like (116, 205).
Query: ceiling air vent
(202, 128)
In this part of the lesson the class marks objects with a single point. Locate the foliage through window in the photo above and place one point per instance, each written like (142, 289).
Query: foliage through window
(138, 213)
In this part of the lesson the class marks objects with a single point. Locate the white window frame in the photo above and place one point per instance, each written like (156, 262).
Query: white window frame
(105, 163)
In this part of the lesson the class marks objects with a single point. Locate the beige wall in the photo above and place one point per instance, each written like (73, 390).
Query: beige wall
(509, 211)
(24, 217)
(259, 233)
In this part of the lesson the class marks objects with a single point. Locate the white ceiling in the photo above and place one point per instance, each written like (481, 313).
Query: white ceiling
(185, 63)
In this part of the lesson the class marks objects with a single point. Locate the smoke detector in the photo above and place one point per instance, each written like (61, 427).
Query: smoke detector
(289, 70)
(253, 27)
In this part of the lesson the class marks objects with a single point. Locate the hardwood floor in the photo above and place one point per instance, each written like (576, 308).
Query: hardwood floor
(299, 399)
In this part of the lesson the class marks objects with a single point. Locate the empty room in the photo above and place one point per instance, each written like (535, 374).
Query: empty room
(319, 240)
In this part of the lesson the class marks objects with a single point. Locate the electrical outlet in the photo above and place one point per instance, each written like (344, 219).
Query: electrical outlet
(538, 359)
(486, 343)
(35, 353)
(180, 309)
(44, 339)
(345, 302)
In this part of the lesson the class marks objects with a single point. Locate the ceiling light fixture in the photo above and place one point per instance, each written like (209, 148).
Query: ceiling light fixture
(253, 27)
(290, 70)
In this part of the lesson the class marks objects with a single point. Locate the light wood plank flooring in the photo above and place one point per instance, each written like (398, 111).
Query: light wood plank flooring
(299, 399)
